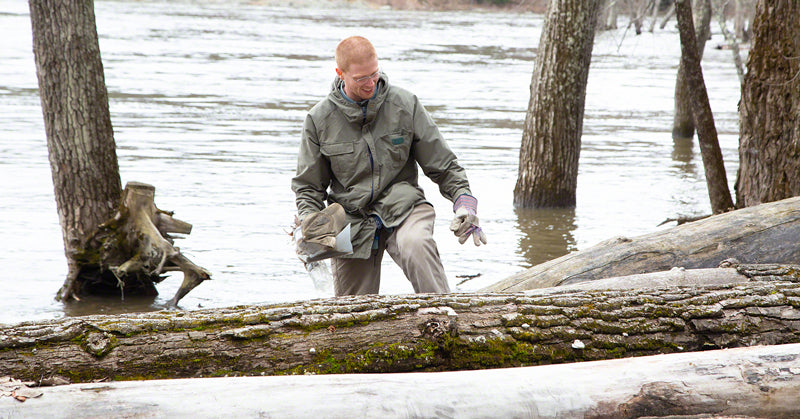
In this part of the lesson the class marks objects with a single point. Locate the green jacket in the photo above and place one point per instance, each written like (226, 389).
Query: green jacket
(366, 160)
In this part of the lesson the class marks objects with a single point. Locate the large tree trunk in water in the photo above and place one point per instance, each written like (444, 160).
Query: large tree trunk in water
(109, 250)
(759, 305)
(551, 139)
(769, 112)
(80, 140)
(767, 233)
(683, 122)
(716, 179)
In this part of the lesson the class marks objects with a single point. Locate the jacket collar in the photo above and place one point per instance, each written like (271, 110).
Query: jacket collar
(364, 111)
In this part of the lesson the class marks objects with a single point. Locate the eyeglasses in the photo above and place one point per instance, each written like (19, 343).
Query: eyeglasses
(364, 79)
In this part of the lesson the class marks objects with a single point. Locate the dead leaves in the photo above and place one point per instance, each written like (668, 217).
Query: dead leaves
(17, 389)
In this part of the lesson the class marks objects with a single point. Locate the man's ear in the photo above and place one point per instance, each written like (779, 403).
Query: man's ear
(339, 73)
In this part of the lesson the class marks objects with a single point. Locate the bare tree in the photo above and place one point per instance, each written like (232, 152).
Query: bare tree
(683, 122)
(84, 166)
(697, 98)
(769, 112)
(730, 38)
(80, 139)
(551, 139)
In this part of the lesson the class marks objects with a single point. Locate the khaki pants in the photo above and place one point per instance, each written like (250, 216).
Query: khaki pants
(410, 245)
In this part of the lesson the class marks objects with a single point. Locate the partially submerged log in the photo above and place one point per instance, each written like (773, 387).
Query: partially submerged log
(130, 253)
(761, 381)
(766, 233)
(412, 333)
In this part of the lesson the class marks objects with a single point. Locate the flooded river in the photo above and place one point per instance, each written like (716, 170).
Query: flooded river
(207, 99)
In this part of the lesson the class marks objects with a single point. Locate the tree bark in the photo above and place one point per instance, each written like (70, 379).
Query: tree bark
(767, 233)
(551, 139)
(716, 178)
(683, 125)
(769, 113)
(409, 333)
(760, 381)
(108, 251)
(80, 139)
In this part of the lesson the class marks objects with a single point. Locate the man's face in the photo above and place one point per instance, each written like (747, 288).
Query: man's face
(360, 79)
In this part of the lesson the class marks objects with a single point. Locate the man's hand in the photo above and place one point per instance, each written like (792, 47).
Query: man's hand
(466, 222)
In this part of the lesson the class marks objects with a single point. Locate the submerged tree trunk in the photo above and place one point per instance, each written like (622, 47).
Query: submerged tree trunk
(551, 139)
(716, 178)
(111, 247)
(683, 124)
(410, 333)
(80, 140)
(767, 233)
(769, 112)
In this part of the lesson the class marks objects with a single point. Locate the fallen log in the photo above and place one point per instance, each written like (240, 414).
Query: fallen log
(760, 381)
(766, 233)
(404, 333)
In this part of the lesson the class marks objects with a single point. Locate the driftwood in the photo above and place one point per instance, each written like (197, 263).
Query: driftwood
(413, 333)
(130, 253)
(766, 233)
(761, 381)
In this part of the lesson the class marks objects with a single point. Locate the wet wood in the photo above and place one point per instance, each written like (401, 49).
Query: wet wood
(766, 233)
(129, 253)
(404, 333)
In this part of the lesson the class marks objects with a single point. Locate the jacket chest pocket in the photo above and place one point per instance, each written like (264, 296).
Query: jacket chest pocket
(342, 158)
(397, 147)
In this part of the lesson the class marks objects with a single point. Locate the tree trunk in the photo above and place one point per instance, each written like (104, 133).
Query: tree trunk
(767, 233)
(108, 251)
(760, 381)
(80, 140)
(551, 139)
(743, 19)
(730, 39)
(410, 333)
(683, 124)
(716, 179)
(769, 113)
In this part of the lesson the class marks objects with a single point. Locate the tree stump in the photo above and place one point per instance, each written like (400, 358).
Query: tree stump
(129, 253)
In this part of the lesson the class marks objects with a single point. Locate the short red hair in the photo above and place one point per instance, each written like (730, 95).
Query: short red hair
(354, 49)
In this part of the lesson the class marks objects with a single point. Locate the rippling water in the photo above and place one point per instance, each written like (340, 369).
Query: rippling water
(207, 100)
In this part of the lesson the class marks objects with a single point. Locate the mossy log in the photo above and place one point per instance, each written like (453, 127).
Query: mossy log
(760, 381)
(766, 233)
(130, 253)
(404, 333)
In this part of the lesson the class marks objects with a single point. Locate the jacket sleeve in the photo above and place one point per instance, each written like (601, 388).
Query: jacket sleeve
(434, 156)
(313, 175)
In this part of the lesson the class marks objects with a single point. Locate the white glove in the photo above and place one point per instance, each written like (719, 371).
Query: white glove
(466, 221)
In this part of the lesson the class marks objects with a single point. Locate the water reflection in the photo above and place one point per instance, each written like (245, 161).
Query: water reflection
(546, 233)
(683, 155)
(113, 305)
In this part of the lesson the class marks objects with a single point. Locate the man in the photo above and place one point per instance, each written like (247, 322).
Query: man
(360, 148)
